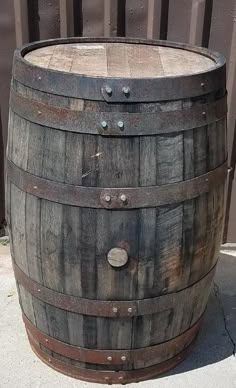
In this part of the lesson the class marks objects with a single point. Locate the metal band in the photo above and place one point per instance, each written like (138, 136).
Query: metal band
(114, 357)
(141, 90)
(101, 308)
(115, 198)
(108, 377)
(107, 123)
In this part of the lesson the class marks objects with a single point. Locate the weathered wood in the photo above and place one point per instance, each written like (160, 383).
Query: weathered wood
(124, 60)
(21, 22)
(66, 248)
(66, 18)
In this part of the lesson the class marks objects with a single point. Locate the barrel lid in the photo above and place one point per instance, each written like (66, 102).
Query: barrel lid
(119, 60)
(119, 70)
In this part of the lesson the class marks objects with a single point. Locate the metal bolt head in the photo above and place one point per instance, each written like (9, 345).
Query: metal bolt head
(107, 198)
(108, 90)
(121, 378)
(123, 358)
(126, 90)
(49, 360)
(46, 339)
(115, 310)
(204, 113)
(123, 198)
(104, 124)
(202, 84)
(120, 125)
(39, 112)
(130, 310)
(39, 290)
(109, 358)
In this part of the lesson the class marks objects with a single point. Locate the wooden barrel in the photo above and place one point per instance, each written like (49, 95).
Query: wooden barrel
(116, 173)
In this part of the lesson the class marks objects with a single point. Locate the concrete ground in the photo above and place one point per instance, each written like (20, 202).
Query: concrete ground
(212, 363)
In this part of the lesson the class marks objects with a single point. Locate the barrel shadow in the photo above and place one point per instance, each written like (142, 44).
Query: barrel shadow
(217, 337)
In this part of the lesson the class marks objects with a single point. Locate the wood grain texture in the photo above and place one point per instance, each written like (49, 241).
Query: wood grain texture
(119, 60)
(65, 248)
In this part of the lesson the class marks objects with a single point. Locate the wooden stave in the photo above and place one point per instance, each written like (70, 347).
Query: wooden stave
(44, 310)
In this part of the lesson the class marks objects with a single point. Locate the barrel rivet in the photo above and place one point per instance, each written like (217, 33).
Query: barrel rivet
(107, 198)
(39, 78)
(126, 90)
(109, 358)
(104, 124)
(207, 179)
(123, 358)
(35, 187)
(202, 84)
(46, 339)
(108, 90)
(121, 378)
(204, 113)
(49, 360)
(115, 310)
(107, 378)
(120, 125)
(130, 310)
(39, 290)
(123, 198)
(39, 112)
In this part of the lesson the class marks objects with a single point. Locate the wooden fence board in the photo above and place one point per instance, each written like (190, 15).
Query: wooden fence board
(179, 20)
(21, 22)
(66, 18)
(196, 22)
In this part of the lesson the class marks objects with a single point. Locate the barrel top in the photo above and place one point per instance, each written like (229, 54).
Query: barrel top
(120, 60)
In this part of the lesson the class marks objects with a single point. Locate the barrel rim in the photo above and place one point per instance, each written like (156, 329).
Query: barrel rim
(141, 89)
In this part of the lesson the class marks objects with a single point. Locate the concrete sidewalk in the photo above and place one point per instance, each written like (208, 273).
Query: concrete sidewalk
(210, 365)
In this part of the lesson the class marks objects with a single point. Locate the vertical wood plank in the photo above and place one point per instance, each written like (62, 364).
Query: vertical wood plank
(201, 219)
(49, 19)
(93, 17)
(21, 22)
(107, 18)
(196, 22)
(188, 210)
(136, 18)
(66, 18)
(169, 218)
(179, 11)
(154, 19)
(229, 222)
(223, 39)
(19, 138)
(150, 19)
(52, 253)
(231, 87)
